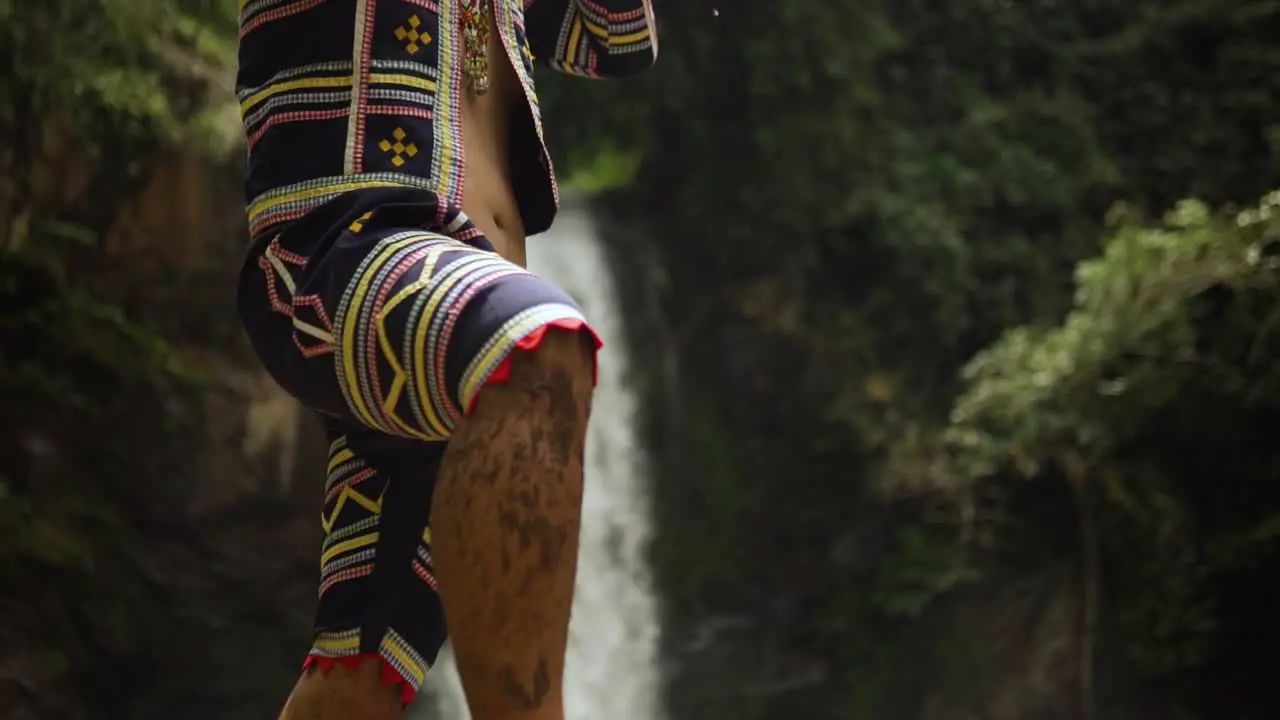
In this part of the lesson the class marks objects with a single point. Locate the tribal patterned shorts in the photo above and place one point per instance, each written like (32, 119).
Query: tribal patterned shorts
(386, 313)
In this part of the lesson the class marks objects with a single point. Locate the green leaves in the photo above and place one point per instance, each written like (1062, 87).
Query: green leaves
(1122, 349)
(140, 64)
(920, 568)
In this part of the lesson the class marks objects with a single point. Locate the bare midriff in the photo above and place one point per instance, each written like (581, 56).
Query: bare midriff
(488, 197)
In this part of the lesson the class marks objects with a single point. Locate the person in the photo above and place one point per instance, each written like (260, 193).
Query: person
(395, 167)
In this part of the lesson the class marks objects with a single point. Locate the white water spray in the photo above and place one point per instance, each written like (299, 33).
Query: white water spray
(612, 669)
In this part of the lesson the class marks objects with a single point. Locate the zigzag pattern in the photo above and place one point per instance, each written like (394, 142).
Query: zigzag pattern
(352, 510)
(392, 371)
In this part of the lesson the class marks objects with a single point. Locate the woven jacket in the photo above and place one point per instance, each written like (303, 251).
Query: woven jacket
(344, 74)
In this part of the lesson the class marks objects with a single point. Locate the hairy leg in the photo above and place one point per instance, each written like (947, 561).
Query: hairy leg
(505, 519)
(344, 694)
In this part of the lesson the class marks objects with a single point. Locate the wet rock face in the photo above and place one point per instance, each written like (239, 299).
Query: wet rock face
(158, 531)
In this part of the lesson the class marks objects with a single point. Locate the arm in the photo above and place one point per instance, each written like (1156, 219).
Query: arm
(592, 38)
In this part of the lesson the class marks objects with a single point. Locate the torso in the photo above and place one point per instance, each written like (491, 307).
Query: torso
(488, 196)
(357, 114)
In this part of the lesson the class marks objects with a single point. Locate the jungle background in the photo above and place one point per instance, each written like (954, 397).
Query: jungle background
(958, 341)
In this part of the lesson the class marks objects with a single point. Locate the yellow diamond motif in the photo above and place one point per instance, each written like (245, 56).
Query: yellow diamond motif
(399, 149)
(413, 39)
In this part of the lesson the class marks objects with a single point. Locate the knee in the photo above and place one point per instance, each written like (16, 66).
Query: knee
(558, 375)
(562, 358)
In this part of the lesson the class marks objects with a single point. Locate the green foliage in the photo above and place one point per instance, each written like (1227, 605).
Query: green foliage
(609, 169)
(1126, 349)
(712, 520)
(78, 375)
(92, 93)
(921, 568)
(1146, 335)
(116, 66)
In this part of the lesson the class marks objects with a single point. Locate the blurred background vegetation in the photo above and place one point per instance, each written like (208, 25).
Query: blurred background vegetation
(957, 335)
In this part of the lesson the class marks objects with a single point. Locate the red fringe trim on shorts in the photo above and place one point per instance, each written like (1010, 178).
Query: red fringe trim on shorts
(530, 342)
(390, 676)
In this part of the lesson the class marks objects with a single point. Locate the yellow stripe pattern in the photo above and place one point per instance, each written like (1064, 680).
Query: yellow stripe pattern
(600, 38)
(395, 326)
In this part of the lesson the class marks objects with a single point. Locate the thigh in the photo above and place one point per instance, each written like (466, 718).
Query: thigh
(367, 317)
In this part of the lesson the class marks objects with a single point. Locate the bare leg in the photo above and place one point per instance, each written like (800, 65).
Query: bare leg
(344, 694)
(505, 520)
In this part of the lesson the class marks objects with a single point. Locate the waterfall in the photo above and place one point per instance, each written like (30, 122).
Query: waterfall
(612, 670)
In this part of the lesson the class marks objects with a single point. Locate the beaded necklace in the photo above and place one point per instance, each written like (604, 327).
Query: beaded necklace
(475, 44)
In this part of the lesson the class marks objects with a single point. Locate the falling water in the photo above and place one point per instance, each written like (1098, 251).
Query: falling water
(612, 669)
